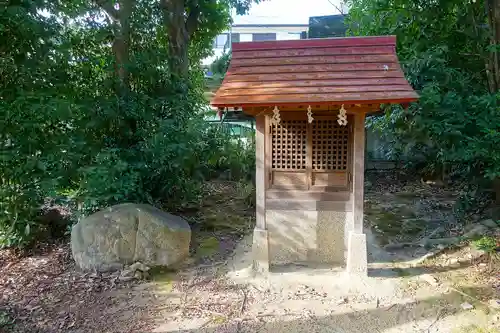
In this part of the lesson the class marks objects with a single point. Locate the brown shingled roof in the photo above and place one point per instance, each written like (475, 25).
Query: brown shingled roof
(314, 71)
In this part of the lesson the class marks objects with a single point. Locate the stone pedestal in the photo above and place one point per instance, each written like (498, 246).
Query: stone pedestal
(298, 236)
(260, 251)
(357, 258)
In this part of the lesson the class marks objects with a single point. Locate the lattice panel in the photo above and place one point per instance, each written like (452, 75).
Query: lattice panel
(329, 145)
(289, 141)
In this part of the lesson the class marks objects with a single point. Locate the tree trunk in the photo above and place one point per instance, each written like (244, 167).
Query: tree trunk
(121, 46)
(120, 21)
(121, 24)
(493, 64)
(178, 38)
(181, 26)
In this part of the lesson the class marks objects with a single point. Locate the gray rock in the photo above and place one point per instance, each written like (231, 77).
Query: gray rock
(467, 306)
(126, 278)
(342, 300)
(494, 303)
(430, 279)
(476, 254)
(475, 230)
(139, 266)
(454, 262)
(130, 233)
(490, 224)
(127, 273)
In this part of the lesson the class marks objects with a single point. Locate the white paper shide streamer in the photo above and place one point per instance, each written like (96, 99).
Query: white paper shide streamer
(309, 115)
(342, 116)
(276, 116)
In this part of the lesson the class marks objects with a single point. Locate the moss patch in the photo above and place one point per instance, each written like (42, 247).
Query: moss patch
(164, 278)
(402, 272)
(407, 195)
(219, 320)
(207, 247)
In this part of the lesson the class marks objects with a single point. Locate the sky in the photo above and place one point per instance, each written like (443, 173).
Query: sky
(287, 11)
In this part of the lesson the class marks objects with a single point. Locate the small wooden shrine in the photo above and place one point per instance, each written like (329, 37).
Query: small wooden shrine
(309, 99)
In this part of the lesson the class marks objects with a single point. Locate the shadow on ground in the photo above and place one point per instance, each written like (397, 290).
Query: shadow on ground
(433, 314)
(397, 272)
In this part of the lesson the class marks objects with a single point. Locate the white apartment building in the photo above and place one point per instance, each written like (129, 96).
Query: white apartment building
(255, 32)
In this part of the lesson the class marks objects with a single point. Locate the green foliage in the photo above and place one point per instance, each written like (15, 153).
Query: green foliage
(35, 122)
(488, 244)
(218, 69)
(237, 158)
(219, 66)
(246, 192)
(444, 47)
(89, 106)
(5, 320)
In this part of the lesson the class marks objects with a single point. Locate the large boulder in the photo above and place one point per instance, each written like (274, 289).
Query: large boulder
(128, 233)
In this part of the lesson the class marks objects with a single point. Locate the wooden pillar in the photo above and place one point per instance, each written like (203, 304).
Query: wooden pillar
(357, 259)
(260, 172)
(358, 172)
(260, 246)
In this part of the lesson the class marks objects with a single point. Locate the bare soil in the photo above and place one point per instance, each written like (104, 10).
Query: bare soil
(216, 292)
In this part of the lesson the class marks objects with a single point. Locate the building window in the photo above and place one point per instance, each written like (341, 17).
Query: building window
(220, 41)
(260, 37)
(294, 35)
(245, 37)
(235, 38)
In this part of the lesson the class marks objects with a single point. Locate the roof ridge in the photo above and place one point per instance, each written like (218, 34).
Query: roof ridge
(352, 41)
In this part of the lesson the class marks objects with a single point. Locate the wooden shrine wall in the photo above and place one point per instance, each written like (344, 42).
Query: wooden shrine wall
(305, 156)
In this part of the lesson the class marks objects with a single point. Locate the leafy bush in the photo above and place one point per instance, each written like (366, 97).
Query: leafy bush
(454, 127)
(246, 192)
(35, 120)
(220, 65)
(85, 115)
(488, 244)
(237, 159)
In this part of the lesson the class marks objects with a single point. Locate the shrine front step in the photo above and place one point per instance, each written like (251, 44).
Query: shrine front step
(309, 205)
(309, 195)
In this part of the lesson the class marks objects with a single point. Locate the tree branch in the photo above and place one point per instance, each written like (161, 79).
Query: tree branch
(337, 7)
(109, 9)
(192, 21)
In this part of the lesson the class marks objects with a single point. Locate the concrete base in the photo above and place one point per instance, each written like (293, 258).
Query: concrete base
(357, 258)
(260, 251)
(297, 236)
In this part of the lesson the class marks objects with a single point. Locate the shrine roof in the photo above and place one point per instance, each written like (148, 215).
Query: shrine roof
(314, 71)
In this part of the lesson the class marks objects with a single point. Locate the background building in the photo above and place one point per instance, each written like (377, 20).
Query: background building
(255, 32)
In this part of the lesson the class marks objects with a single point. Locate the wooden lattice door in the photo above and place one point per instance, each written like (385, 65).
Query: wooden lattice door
(289, 154)
(330, 153)
(309, 156)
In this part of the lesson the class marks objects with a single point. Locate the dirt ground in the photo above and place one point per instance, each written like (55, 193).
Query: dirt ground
(217, 292)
